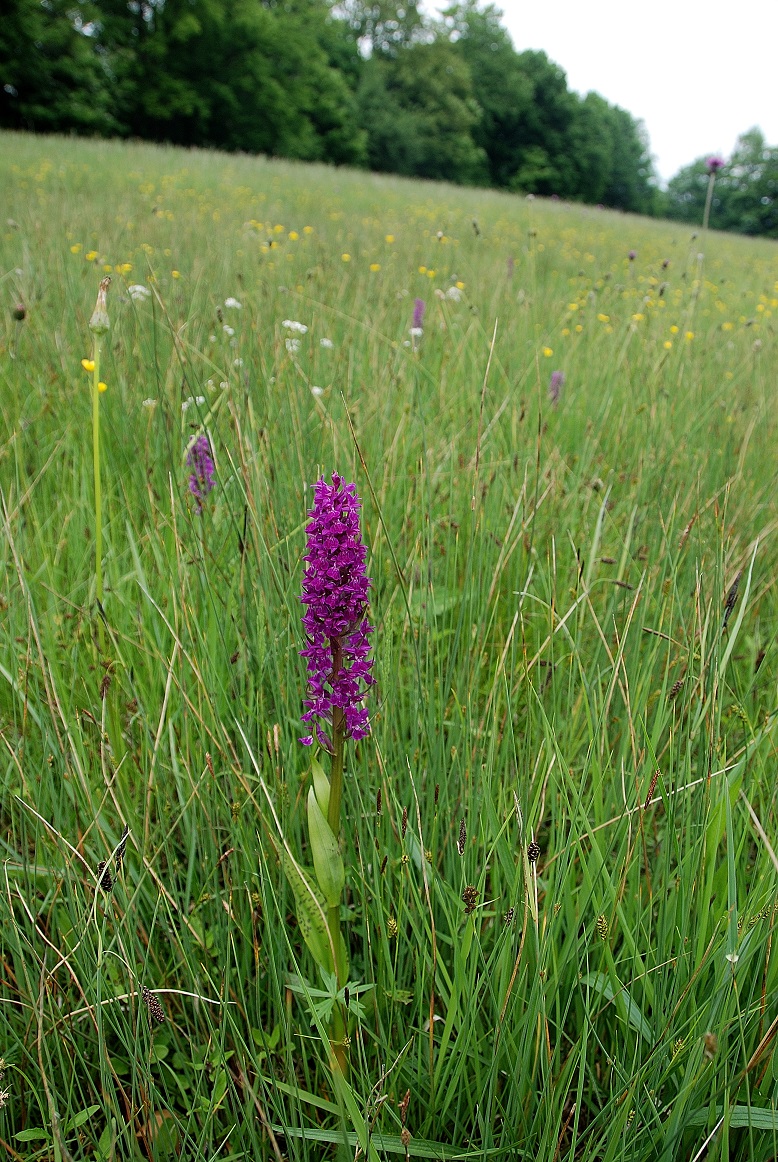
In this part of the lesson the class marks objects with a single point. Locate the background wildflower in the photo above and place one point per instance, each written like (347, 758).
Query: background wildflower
(200, 460)
(419, 307)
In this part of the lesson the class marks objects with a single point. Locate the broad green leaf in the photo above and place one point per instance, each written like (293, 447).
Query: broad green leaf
(33, 1135)
(80, 1118)
(740, 1118)
(311, 909)
(326, 856)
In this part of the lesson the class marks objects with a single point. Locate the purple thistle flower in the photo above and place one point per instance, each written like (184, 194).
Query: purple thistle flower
(632, 255)
(714, 163)
(419, 307)
(557, 381)
(335, 590)
(199, 459)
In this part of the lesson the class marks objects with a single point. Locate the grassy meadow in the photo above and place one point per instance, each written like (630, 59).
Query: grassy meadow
(550, 585)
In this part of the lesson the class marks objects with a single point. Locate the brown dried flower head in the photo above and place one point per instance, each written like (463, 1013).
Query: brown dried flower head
(470, 898)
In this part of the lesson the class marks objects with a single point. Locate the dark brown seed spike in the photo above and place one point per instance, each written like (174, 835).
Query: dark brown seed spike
(104, 877)
(729, 604)
(462, 841)
(122, 847)
(153, 1006)
(651, 789)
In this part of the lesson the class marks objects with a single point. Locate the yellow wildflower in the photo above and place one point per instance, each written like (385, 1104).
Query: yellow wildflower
(75, 248)
(346, 257)
(88, 364)
(668, 344)
(91, 255)
(389, 238)
(690, 335)
(604, 318)
(374, 266)
(548, 352)
(102, 386)
(176, 273)
(293, 235)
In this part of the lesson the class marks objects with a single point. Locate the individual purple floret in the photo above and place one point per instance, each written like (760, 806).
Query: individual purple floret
(556, 382)
(200, 460)
(714, 163)
(419, 308)
(335, 590)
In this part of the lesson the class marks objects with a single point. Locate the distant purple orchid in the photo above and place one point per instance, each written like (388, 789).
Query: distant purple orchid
(335, 590)
(555, 384)
(714, 163)
(419, 307)
(200, 460)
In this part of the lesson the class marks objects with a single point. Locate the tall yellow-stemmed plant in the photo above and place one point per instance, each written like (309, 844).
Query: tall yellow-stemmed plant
(99, 325)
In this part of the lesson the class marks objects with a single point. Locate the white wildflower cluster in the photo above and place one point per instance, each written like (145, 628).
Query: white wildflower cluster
(327, 343)
(228, 330)
(292, 345)
(138, 292)
(197, 400)
(316, 390)
(454, 293)
(232, 304)
(149, 403)
(293, 325)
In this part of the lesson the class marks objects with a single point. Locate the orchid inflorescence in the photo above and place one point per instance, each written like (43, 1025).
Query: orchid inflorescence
(335, 591)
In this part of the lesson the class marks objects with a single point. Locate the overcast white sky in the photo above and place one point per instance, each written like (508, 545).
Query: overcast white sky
(697, 72)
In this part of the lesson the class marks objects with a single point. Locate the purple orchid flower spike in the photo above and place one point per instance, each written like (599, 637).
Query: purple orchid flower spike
(335, 591)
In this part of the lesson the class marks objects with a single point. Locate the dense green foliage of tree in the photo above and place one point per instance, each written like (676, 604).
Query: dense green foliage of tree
(359, 82)
(745, 195)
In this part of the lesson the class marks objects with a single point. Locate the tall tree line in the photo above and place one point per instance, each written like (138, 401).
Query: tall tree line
(364, 82)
